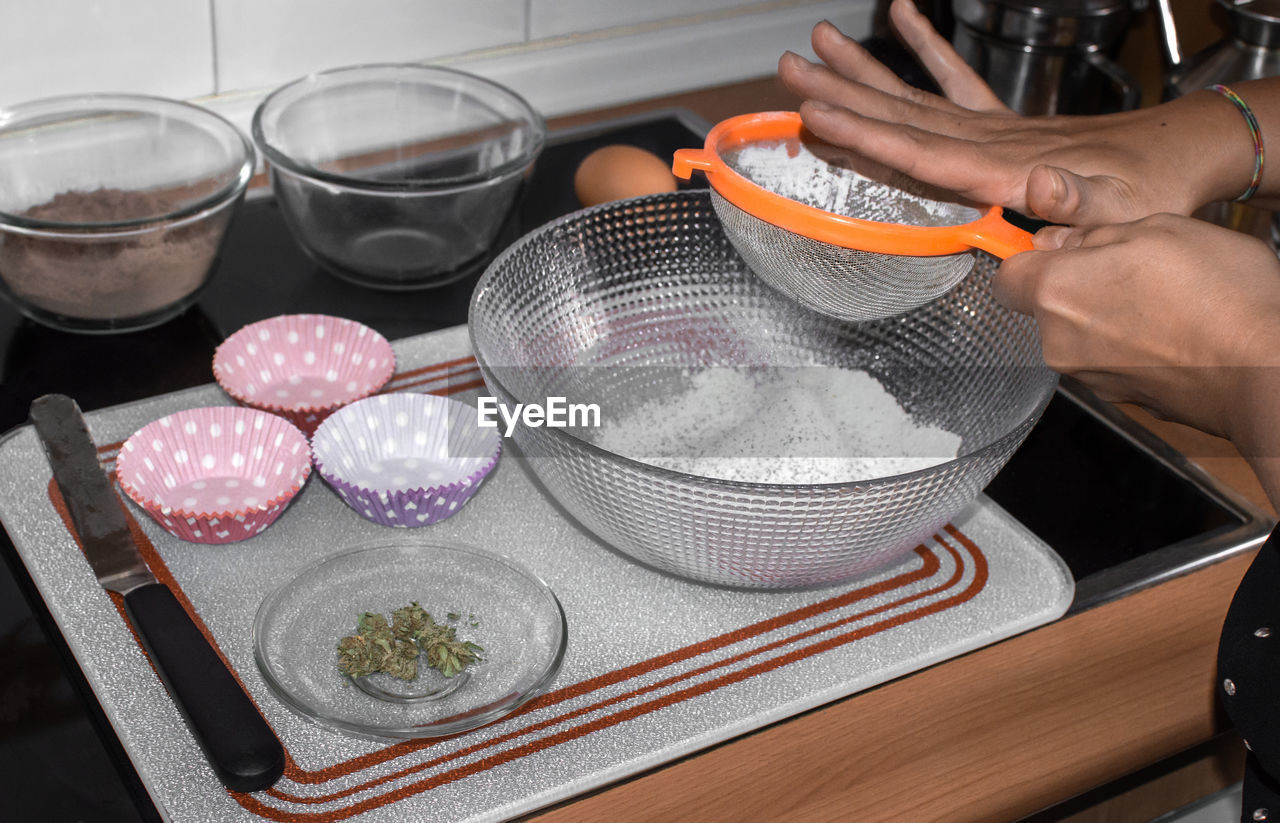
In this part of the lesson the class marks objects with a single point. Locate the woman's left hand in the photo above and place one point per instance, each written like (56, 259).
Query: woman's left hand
(1081, 171)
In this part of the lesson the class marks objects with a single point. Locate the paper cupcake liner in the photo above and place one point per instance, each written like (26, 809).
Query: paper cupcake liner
(214, 475)
(405, 460)
(303, 367)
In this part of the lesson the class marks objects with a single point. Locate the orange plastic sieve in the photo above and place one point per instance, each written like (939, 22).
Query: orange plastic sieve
(838, 242)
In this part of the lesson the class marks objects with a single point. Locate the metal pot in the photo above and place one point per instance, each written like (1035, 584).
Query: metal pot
(1048, 56)
(1250, 50)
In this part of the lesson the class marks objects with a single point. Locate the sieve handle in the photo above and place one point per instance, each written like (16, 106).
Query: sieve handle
(995, 235)
(686, 160)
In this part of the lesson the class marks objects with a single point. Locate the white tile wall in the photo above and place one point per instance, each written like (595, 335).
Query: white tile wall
(563, 55)
(551, 18)
(590, 73)
(70, 46)
(267, 43)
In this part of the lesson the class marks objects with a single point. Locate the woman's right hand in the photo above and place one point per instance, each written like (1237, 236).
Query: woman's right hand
(1177, 315)
(1082, 170)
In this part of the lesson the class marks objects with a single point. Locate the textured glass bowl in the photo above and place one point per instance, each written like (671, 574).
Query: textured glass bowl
(518, 622)
(614, 304)
(113, 207)
(397, 176)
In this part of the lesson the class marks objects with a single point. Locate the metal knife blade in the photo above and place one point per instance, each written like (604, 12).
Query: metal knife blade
(240, 746)
(92, 503)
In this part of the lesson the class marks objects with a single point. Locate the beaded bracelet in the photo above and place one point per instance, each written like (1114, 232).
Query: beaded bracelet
(1254, 131)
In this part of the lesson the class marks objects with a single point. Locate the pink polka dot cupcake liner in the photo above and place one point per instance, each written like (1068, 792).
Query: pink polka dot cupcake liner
(303, 367)
(214, 475)
(405, 460)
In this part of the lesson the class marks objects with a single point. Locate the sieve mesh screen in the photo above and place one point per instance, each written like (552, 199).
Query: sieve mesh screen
(795, 170)
(845, 283)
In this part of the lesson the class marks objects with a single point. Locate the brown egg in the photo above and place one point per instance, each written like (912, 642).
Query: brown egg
(617, 172)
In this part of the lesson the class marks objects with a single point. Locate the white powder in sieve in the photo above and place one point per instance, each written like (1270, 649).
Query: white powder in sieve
(791, 169)
(794, 426)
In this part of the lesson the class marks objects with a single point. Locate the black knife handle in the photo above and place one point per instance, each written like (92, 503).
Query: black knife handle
(240, 745)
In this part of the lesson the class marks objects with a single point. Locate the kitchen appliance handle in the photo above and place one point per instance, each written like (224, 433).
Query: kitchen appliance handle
(240, 745)
(1130, 93)
(1168, 34)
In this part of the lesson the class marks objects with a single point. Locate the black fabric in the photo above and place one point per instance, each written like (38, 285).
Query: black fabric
(1261, 794)
(1249, 678)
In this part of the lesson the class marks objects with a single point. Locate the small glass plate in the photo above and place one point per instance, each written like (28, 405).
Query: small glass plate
(498, 604)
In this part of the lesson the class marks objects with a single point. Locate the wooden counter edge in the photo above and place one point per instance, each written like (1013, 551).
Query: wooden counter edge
(990, 736)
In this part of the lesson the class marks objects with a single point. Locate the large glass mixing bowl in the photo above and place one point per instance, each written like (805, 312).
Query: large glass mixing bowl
(619, 304)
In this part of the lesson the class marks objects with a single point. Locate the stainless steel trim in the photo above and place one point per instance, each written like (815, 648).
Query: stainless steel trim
(1179, 558)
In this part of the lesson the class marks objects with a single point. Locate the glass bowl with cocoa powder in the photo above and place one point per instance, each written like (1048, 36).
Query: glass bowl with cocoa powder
(113, 207)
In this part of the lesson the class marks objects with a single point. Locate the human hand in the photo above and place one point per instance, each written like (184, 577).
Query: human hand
(1179, 316)
(1075, 170)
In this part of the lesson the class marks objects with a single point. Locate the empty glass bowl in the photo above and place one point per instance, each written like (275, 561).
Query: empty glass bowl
(397, 176)
(620, 304)
(113, 207)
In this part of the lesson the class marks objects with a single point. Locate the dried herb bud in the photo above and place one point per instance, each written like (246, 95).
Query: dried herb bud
(355, 657)
(394, 648)
(410, 621)
(371, 623)
(404, 662)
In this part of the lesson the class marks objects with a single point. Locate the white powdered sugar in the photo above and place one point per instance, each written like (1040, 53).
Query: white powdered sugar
(791, 169)
(791, 426)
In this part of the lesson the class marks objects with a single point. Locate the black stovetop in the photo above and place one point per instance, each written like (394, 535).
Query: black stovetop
(1122, 509)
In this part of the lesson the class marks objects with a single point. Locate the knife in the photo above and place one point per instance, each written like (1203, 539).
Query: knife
(241, 747)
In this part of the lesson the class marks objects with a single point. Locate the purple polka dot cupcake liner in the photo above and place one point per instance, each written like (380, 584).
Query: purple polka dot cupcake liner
(303, 367)
(405, 460)
(214, 475)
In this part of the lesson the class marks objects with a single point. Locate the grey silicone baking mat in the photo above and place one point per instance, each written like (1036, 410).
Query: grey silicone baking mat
(656, 667)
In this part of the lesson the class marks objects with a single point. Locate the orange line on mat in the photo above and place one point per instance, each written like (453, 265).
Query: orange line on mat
(398, 385)
(255, 805)
(927, 569)
(452, 388)
(581, 711)
(434, 367)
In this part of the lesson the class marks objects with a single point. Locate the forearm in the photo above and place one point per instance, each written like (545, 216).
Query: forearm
(1221, 133)
(1200, 143)
(1251, 403)
(1268, 471)
(1256, 429)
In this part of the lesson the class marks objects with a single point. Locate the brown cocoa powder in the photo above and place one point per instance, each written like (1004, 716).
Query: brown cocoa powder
(97, 278)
